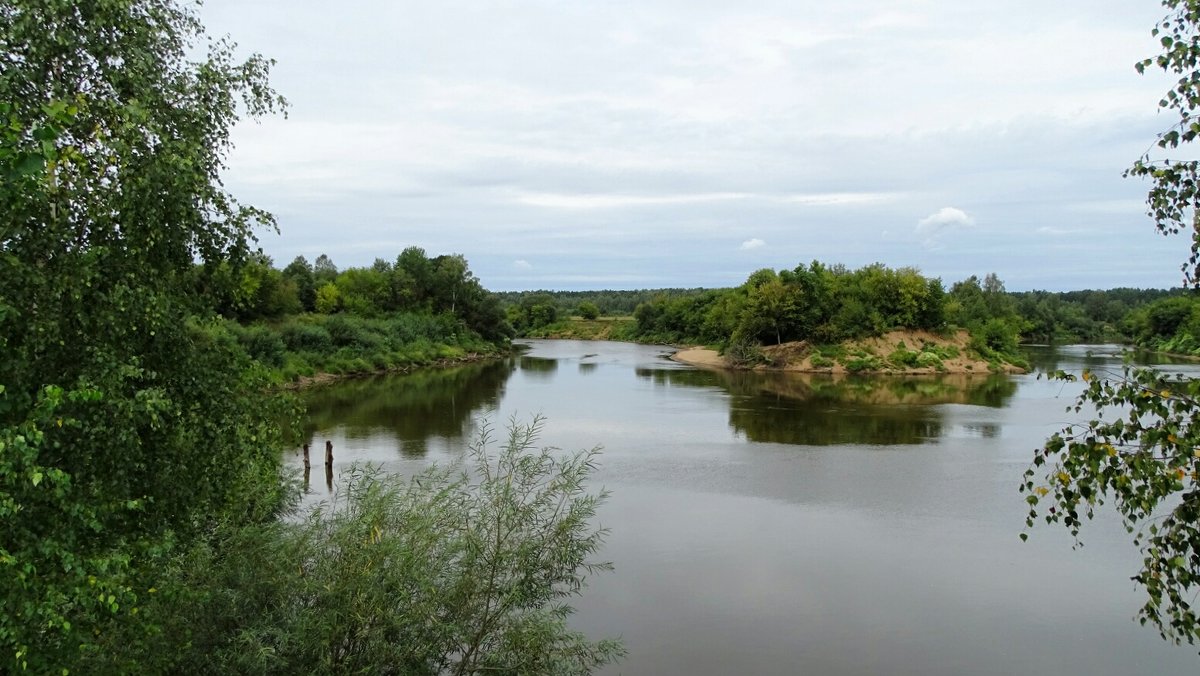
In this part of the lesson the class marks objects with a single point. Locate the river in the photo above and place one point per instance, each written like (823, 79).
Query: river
(782, 524)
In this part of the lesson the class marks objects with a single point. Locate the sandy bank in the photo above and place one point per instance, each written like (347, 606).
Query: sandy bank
(700, 356)
(946, 354)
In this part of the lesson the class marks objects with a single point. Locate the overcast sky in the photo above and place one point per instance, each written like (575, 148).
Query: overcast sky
(608, 144)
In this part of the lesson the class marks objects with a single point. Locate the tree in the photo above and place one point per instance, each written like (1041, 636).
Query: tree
(129, 419)
(301, 274)
(1140, 451)
(588, 310)
(329, 299)
(324, 271)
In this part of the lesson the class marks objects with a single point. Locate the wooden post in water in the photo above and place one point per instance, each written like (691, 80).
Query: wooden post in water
(328, 453)
(306, 458)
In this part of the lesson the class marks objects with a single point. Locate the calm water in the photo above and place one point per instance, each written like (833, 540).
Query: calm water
(766, 524)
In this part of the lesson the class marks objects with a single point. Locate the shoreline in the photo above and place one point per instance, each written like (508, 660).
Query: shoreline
(703, 357)
(325, 378)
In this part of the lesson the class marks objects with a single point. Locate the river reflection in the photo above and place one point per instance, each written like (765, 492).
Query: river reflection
(411, 408)
(766, 523)
(821, 409)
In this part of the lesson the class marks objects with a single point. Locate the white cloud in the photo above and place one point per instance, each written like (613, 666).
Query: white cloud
(842, 198)
(752, 244)
(522, 264)
(585, 201)
(944, 219)
(424, 129)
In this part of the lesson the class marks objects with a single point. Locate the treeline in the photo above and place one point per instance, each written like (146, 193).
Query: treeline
(1170, 324)
(815, 302)
(712, 316)
(608, 302)
(413, 283)
(1090, 316)
(313, 317)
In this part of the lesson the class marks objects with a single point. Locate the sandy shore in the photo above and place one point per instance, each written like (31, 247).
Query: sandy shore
(700, 356)
(799, 356)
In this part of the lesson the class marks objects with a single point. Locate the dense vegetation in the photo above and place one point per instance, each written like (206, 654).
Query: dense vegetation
(310, 318)
(140, 487)
(1155, 319)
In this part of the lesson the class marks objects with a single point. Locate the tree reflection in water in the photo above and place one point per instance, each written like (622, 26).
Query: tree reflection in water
(821, 410)
(413, 407)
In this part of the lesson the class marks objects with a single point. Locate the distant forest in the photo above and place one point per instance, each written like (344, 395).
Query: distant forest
(308, 318)
(1156, 319)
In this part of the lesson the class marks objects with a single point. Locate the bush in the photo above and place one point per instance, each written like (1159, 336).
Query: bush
(588, 310)
(904, 358)
(930, 360)
(262, 344)
(305, 337)
(464, 569)
(745, 353)
(352, 332)
(864, 363)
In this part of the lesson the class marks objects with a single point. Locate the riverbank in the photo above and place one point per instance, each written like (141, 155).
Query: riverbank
(325, 378)
(895, 353)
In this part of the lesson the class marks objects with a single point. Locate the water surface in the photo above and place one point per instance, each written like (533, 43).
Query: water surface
(775, 523)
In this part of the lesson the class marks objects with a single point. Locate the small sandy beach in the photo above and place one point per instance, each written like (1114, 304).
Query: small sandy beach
(700, 356)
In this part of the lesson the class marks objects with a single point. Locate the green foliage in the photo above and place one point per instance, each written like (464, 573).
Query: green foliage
(1144, 461)
(904, 358)
(863, 362)
(1139, 452)
(820, 361)
(813, 302)
(329, 299)
(351, 344)
(535, 311)
(931, 360)
(1174, 187)
(128, 426)
(302, 336)
(262, 344)
(458, 570)
(610, 302)
(1171, 324)
(588, 310)
(744, 354)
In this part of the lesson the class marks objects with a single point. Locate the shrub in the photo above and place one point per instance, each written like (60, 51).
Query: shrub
(588, 310)
(930, 360)
(903, 358)
(262, 344)
(466, 569)
(305, 337)
(864, 363)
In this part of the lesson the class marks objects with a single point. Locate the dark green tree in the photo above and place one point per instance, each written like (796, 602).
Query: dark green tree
(300, 272)
(588, 310)
(324, 271)
(128, 420)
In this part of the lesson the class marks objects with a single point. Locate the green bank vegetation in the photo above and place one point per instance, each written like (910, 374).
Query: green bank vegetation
(829, 306)
(309, 319)
(1154, 319)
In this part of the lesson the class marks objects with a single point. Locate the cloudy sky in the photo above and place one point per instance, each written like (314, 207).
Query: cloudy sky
(611, 144)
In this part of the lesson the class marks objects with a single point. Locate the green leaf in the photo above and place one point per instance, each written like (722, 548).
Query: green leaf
(31, 165)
